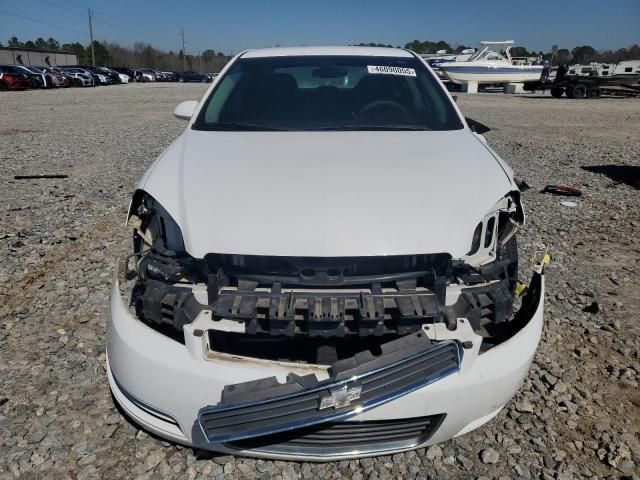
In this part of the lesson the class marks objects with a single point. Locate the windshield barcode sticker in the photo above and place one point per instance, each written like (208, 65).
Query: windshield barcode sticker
(407, 72)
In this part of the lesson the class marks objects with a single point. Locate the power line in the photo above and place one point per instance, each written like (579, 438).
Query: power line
(130, 23)
(111, 24)
(129, 29)
(121, 20)
(93, 15)
(62, 8)
(43, 23)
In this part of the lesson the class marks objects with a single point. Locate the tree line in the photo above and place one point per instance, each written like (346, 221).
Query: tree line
(141, 55)
(144, 55)
(586, 54)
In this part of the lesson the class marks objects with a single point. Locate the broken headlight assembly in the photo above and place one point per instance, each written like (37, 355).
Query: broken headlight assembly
(153, 226)
(158, 244)
(161, 266)
(495, 231)
(488, 274)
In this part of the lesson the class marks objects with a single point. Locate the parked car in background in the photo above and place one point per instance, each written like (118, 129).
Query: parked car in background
(35, 80)
(60, 76)
(47, 80)
(81, 78)
(115, 76)
(129, 72)
(160, 76)
(13, 79)
(58, 79)
(103, 77)
(171, 76)
(190, 76)
(112, 76)
(124, 78)
(98, 79)
(147, 75)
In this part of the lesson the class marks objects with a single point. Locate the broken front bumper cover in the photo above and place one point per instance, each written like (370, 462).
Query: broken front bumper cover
(358, 384)
(169, 388)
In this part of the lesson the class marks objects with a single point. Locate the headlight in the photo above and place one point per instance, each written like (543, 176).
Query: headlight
(154, 226)
(497, 227)
(158, 246)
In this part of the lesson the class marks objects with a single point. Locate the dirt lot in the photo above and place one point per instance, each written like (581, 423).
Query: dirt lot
(576, 416)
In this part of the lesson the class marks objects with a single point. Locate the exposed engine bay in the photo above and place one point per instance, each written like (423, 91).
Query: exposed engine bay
(321, 310)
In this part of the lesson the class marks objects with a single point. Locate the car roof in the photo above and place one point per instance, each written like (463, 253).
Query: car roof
(346, 51)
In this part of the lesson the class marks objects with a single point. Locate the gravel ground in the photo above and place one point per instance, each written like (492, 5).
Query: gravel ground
(577, 415)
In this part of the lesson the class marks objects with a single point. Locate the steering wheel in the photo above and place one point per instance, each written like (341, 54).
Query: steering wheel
(381, 105)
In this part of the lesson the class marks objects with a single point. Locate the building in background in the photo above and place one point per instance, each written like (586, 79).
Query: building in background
(36, 57)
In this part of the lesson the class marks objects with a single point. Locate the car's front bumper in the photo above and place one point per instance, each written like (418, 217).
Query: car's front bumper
(163, 385)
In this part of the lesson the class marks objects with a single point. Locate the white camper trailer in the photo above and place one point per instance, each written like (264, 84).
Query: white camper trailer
(628, 67)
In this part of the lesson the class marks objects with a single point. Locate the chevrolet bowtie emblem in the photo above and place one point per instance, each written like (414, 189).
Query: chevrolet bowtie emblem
(340, 396)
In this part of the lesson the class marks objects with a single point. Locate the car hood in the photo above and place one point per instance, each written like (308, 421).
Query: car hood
(326, 194)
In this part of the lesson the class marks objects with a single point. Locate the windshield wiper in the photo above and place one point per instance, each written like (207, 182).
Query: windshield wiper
(373, 127)
(236, 126)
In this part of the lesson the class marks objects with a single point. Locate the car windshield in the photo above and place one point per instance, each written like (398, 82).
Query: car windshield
(328, 93)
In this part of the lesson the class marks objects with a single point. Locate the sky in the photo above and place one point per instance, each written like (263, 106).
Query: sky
(232, 26)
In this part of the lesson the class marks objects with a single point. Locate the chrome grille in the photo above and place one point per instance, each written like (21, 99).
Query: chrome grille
(382, 379)
(334, 438)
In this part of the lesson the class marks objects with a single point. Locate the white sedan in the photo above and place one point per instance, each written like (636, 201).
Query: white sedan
(324, 265)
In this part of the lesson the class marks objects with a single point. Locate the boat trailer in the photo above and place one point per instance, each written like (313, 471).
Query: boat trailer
(576, 86)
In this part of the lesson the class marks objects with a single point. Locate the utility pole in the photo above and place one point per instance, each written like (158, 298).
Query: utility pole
(200, 57)
(93, 55)
(184, 53)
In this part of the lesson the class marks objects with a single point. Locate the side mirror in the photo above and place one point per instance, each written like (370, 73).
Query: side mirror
(476, 126)
(186, 109)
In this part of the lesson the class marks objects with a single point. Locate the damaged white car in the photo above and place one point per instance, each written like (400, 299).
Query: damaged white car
(324, 265)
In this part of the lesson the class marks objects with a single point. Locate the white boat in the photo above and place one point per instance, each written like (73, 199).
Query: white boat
(489, 66)
(442, 56)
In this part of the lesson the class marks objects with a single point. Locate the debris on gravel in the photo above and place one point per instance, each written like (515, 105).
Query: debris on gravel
(576, 416)
(489, 455)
